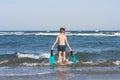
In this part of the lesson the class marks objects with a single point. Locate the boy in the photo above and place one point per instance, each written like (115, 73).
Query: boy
(62, 42)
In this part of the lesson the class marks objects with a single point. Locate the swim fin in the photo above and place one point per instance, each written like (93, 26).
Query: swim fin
(72, 57)
(52, 58)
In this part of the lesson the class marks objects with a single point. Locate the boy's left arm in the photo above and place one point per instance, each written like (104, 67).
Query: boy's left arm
(54, 43)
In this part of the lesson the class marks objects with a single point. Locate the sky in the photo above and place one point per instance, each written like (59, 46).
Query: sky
(53, 14)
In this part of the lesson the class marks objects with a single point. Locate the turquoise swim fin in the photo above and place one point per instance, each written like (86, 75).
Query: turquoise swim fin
(72, 57)
(52, 58)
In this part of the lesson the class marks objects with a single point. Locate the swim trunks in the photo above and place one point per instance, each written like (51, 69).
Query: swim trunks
(61, 48)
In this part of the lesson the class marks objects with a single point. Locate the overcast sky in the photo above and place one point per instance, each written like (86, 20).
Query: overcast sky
(53, 14)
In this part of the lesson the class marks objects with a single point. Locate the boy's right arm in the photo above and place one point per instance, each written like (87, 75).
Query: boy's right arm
(67, 44)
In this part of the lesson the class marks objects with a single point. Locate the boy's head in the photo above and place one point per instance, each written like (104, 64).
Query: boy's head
(62, 30)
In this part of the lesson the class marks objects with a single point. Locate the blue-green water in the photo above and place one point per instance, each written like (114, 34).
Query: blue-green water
(34, 46)
(23, 51)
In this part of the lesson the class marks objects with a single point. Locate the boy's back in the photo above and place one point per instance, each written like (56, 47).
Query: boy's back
(61, 39)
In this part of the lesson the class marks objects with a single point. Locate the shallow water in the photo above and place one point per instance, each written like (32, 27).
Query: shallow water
(59, 73)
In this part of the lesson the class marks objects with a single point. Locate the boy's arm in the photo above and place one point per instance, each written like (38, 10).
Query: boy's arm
(67, 44)
(54, 43)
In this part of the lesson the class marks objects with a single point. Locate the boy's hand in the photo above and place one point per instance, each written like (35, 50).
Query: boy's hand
(71, 53)
(51, 53)
(70, 49)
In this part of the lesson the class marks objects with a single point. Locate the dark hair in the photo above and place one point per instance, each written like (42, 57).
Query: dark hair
(62, 29)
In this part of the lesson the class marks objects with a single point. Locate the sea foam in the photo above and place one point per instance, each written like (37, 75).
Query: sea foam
(34, 56)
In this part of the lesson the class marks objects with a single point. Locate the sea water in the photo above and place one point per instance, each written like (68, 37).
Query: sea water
(24, 53)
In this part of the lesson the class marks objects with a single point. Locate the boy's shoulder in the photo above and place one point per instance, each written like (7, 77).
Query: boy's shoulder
(61, 35)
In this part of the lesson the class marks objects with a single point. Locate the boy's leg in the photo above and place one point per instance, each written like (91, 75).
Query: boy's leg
(64, 56)
(59, 57)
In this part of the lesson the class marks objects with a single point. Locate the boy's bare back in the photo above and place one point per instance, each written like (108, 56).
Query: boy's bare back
(61, 39)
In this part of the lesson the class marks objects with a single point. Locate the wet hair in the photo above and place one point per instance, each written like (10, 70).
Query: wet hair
(62, 29)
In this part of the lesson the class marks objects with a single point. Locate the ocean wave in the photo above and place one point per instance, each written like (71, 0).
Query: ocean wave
(34, 56)
(110, 55)
(12, 33)
(43, 63)
(94, 34)
(83, 63)
(34, 64)
(2, 62)
(83, 59)
(67, 33)
(25, 74)
(116, 63)
(47, 34)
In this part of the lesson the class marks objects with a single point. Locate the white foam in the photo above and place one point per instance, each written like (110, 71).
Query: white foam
(117, 63)
(92, 62)
(11, 33)
(45, 55)
(95, 34)
(117, 34)
(34, 64)
(25, 74)
(5, 61)
(67, 33)
(86, 34)
(88, 62)
(47, 34)
(21, 55)
(34, 56)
